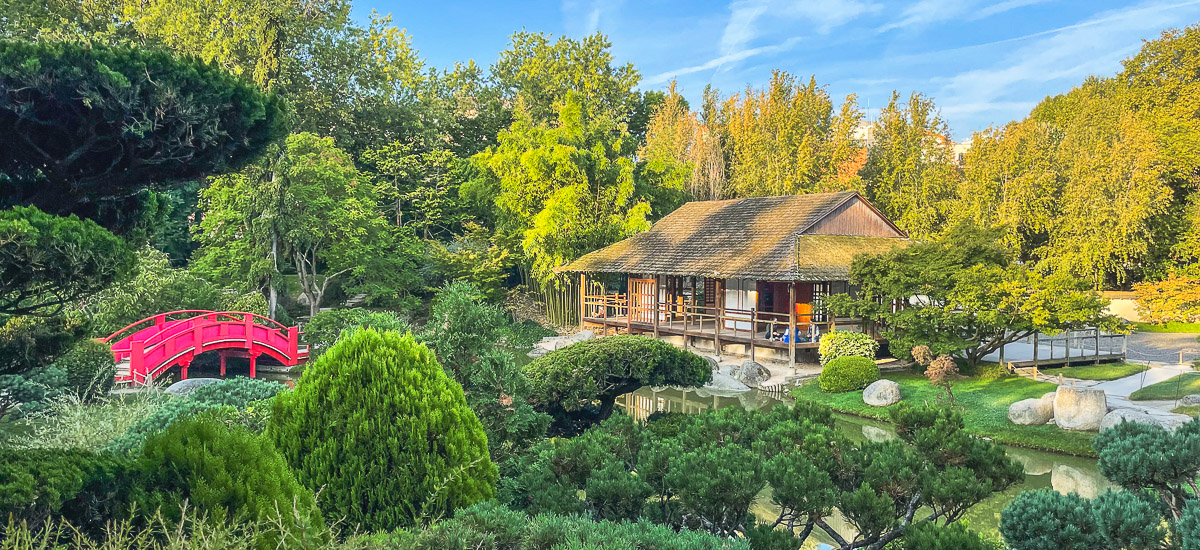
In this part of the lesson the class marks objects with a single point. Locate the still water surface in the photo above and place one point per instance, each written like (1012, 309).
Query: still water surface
(1066, 474)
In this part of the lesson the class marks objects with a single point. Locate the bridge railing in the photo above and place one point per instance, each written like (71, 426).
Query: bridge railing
(180, 337)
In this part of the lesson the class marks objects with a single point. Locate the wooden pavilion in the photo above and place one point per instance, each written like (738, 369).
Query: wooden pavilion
(741, 276)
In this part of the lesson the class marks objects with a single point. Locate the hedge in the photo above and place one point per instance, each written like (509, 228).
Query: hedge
(848, 374)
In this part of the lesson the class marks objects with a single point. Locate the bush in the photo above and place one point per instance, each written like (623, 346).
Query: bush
(955, 536)
(226, 474)
(327, 326)
(848, 374)
(32, 392)
(462, 325)
(237, 392)
(377, 425)
(90, 368)
(81, 487)
(490, 525)
(1045, 518)
(922, 355)
(843, 343)
(571, 379)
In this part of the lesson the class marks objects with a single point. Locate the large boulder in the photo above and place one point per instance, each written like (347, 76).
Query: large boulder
(1193, 399)
(1031, 412)
(1112, 419)
(184, 387)
(1079, 409)
(724, 385)
(751, 373)
(882, 393)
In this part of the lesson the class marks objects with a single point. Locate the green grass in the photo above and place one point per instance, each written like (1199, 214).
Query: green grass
(1179, 386)
(1110, 371)
(1190, 410)
(984, 405)
(1169, 327)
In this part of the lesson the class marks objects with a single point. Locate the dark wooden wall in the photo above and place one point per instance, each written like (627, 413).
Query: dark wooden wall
(854, 218)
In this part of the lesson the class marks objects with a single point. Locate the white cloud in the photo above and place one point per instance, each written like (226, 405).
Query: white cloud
(718, 62)
(927, 12)
(1068, 54)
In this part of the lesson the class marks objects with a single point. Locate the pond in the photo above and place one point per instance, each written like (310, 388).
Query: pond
(1066, 474)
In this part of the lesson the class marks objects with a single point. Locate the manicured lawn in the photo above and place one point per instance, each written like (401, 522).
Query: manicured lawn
(1190, 410)
(1111, 371)
(984, 404)
(1169, 327)
(1184, 384)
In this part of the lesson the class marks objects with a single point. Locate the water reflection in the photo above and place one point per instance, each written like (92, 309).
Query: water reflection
(1066, 474)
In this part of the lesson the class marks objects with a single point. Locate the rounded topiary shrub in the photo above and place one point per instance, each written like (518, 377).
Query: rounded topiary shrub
(227, 475)
(377, 425)
(843, 343)
(848, 374)
(90, 369)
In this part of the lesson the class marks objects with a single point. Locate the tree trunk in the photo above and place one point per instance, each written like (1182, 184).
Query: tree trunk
(272, 291)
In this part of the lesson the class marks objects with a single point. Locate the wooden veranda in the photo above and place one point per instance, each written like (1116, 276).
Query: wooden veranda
(643, 310)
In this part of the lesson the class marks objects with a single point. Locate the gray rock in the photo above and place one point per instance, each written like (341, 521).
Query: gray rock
(184, 387)
(1079, 409)
(1112, 419)
(725, 385)
(712, 362)
(882, 393)
(1068, 479)
(751, 373)
(1031, 412)
(1193, 399)
(877, 435)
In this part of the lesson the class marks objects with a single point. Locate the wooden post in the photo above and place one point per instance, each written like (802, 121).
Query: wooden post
(686, 314)
(720, 308)
(1124, 342)
(183, 369)
(582, 298)
(628, 306)
(654, 320)
(791, 330)
(253, 361)
(222, 354)
(753, 329)
(1097, 346)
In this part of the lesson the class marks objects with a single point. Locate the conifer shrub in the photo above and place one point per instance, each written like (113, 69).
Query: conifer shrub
(83, 488)
(848, 374)
(578, 385)
(844, 343)
(489, 525)
(227, 474)
(238, 393)
(90, 369)
(387, 436)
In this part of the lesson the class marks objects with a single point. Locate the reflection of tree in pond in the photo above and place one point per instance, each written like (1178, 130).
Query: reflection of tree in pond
(1063, 473)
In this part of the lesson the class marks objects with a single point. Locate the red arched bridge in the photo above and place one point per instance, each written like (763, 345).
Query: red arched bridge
(146, 349)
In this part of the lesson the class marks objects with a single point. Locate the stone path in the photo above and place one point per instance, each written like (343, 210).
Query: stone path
(1117, 392)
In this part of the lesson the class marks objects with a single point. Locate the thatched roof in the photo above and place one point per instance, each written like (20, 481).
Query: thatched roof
(757, 238)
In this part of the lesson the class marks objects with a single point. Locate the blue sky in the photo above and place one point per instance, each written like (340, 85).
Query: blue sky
(983, 62)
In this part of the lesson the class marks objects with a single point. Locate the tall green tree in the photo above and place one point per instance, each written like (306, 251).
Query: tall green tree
(911, 173)
(566, 188)
(966, 297)
(787, 138)
(83, 128)
(541, 72)
(681, 153)
(323, 210)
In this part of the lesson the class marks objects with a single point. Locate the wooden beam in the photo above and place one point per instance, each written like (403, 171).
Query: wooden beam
(582, 298)
(719, 308)
(753, 329)
(791, 331)
(628, 305)
(654, 319)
